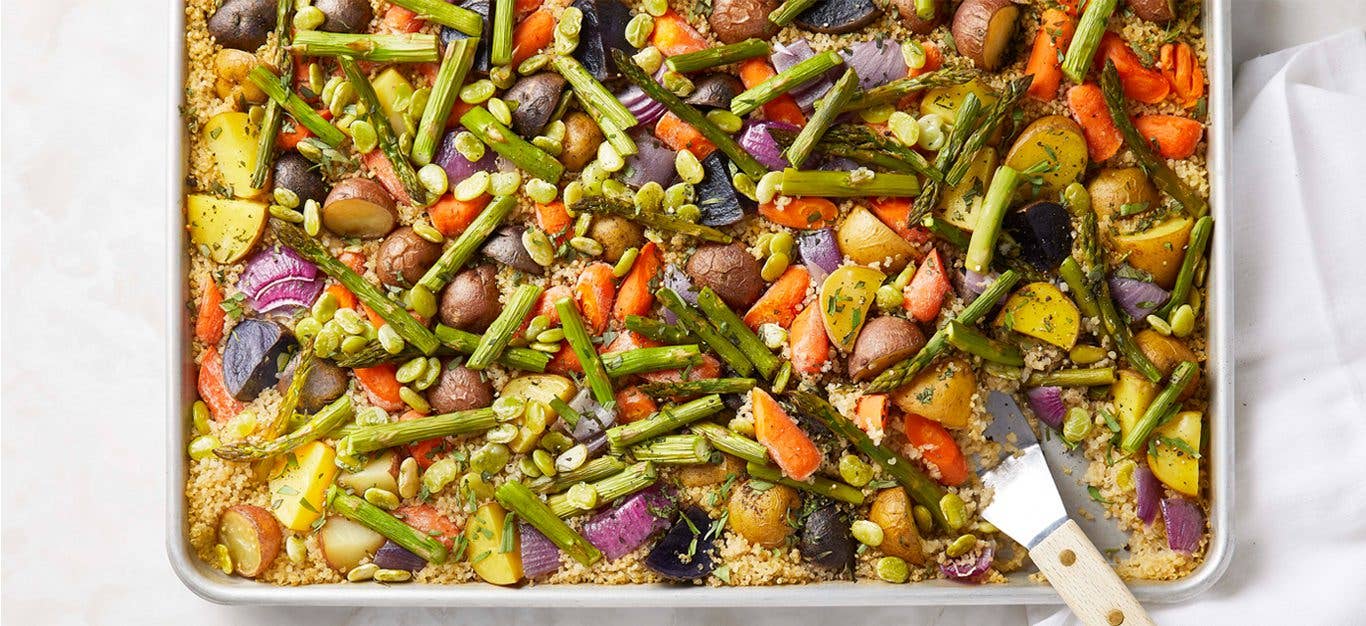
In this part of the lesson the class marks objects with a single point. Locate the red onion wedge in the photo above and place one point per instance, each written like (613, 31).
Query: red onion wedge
(974, 284)
(1047, 405)
(762, 146)
(594, 418)
(785, 56)
(619, 531)
(1138, 298)
(278, 277)
(393, 556)
(287, 292)
(1148, 491)
(678, 281)
(820, 252)
(652, 162)
(971, 567)
(877, 62)
(646, 109)
(539, 554)
(1185, 524)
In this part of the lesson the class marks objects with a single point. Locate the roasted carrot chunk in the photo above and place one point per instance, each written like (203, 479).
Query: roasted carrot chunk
(807, 340)
(208, 322)
(804, 213)
(634, 296)
(779, 304)
(595, 293)
(1174, 137)
(1103, 138)
(213, 391)
(787, 443)
(937, 449)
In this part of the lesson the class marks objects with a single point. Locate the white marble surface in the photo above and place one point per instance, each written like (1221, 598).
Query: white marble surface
(81, 414)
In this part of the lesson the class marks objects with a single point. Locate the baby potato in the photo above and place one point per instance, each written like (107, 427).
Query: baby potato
(1158, 250)
(761, 515)
(252, 536)
(616, 234)
(1057, 141)
(345, 543)
(1132, 393)
(945, 101)
(485, 536)
(1042, 311)
(228, 228)
(1172, 465)
(1118, 192)
(1166, 353)
(865, 239)
(710, 473)
(891, 510)
(960, 204)
(846, 296)
(942, 392)
(231, 138)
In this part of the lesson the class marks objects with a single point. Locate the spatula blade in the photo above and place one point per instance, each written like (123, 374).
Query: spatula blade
(1025, 502)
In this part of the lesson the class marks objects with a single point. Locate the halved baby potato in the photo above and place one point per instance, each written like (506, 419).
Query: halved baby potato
(485, 536)
(541, 389)
(960, 204)
(1158, 250)
(945, 101)
(1056, 141)
(345, 543)
(231, 138)
(1173, 459)
(846, 297)
(252, 537)
(942, 392)
(865, 239)
(299, 482)
(229, 228)
(1043, 312)
(1132, 393)
(379, 472)
(359, 207)
(982, 30)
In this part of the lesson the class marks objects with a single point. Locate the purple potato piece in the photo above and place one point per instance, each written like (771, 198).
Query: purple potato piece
(251, 358)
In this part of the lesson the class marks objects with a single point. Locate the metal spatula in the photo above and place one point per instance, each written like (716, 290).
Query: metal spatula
(1027, 507)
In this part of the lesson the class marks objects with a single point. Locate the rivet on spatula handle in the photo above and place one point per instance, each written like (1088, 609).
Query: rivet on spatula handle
(1085, 580)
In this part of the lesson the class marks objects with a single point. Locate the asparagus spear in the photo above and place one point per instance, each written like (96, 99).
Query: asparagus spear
(322, 423)
(972, 342)
(920, 487)
(596, 469)
(667, 420)
(454, 66)
(783, 82)
(614, 135)
(290, 400)
(894, 91)
(1114, 325)
(832, 489)
(658, 331)
(715, 57)
(1087, 38)
(857, 184)
(565, 412)
(642, 360)
(783, 377)
(453, 258)
(859, 143)
(630, 480)
(500, 51)
(690, 320)
(376, 519)
(1195, 250)
(1166, 403)
(720, 138)
(901, 373)
(1092, 377)
(453, 341)
(962, 128)
(826, 110)
(1015, 90)
(517, 497)
(380, 436)
(707, 386)
(409, 329)
(1166, 179)
(733, 328)
(982, 245)
(577, 335)
(673, 450)
(272, 119)
(402, 48)
(500, 332)
(513, 148)
(592, 94)
(788, 11)
(1076, 283)
(388, 140)
(649, 218)
(730, 442)
(445, 14)
(267, 81)
(942, 229)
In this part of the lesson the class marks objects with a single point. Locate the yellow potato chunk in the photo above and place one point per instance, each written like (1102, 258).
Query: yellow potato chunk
(1158, 250)
(942, 392)
(485, 535)
(1132, 392)
(228, 228)
(1042, 311)
(1173, 459)
(231, 138)
(846, 296)
(299, 482)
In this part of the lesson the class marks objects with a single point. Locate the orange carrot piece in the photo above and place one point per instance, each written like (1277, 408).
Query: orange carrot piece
(531, 35)
(674, 35)
(345, 299)
(782, 109)
(452, 217)
(634, 296)
(635, 405)
(565, 362)
(427, 451)
(779, 304)
(937, 449)
(383, 170)
(1174, 137)
(595, 291)
(924, 296)
(870, 412)
(381, 385)
(527, 7)
(353, 260)
(213, 391)
(1141, 83)
(680, 135)
(1045, 61)
(208, 322)
(1087, 103)
(458, 109)
(808, 343)
(545, 305)
(790, 447)
(431, 522)
(706, 369)
(401, 20)
(896, 214)
(802, 213)
(554, 220)
(1069, 6)
(934, 59)
(1183, 72)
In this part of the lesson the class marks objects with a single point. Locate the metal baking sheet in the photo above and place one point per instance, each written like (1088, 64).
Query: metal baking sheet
(213, 585)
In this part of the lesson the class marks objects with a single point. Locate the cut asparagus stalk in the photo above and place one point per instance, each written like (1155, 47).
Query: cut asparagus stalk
(322, 423)
(582, 344)
(982, 133)
(1166, 403)
(513, 148)
(1195, 250)
(267, 81)
(942, 229)
(1114, 325)
(565, 412)
(901, 373)
(730, 442)
(734, 329)
(500, 50)
(893, 92)
(720, 138)
(454, 66)
(1163, 176)
(516, 358)
(409, 329)
(690, 320)
(642, 360)
(788, 11)
(1076, 283)
(596, 469)
(783, 377)
(381, 436)
(658, 331)
(667, 420)
(689, 388)
(592, 93)
(972, 342)
(826, 110)
(834, 490)
(921, 488)
(517, 497)
(958, 135)
(630, 480)
(716, 57)
(1087, 38)
(656, 219)
(1089, 377)
(783, 82)
(273, 117)
(445, 14)
(388, 139)
(982, 245)
(500, 332)
(454, 257)
(402, 48)
(858, 143)
(857, 184)
(674, 450)
(289, 401)
(615, 137)
(370, 516)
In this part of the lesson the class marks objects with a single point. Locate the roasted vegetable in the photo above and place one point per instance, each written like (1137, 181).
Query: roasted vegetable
(1157, 250)
(942, 392)
(300, 482)
(470, 301)
(536, 98)
(837, 17)
(1044, 312)
(1055, 141)
(485, 535)
(982, 30)
(865, 239)
(505, 246)
(359, 207)
(1118, 193)
(730, 271)
(242, 24)
(1174, 457)
(891, 511)
(846, 296)
(403, 257)
(826, 540)
(252, 536)
(883, 342)
(459, 388)
(379, 472)
(1044, 231)
(252, 356)
(326, 382)
(685, 552)
(228, 228)
(760, 513)
(345, 543)
(737, 20)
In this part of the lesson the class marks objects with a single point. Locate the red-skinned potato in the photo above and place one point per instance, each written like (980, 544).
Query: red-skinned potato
(982, 30)
(913, 21)
(404, 257)
(883, 342)
(252, 536)
(345, 543)
(359, 207)
(1153, 10)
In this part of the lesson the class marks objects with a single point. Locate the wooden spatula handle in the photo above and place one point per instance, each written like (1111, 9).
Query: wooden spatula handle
(1084, 579)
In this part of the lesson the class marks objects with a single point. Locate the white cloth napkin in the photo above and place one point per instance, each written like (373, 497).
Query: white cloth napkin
(1299, 237)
